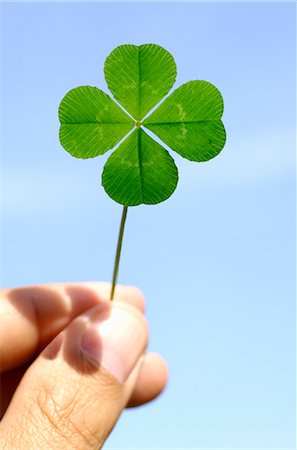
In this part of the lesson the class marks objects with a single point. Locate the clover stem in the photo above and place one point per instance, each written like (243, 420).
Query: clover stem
(118, 252)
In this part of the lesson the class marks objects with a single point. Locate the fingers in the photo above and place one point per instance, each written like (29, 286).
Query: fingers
(32, 316)
(152, 379)
(9, 382)
(73, 393)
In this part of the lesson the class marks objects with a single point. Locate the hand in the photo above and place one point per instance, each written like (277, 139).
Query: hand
(71, 362)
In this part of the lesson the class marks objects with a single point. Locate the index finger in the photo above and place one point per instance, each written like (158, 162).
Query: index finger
(32, 316)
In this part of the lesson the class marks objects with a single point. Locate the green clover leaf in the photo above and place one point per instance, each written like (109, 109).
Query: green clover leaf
(188, 121)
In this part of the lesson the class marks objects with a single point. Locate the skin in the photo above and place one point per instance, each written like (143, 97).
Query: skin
(51, 398)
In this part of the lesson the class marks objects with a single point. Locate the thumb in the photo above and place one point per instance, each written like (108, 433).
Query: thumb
(74, 392)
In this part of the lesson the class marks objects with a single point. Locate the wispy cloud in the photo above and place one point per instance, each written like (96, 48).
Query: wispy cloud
(247, 161)
(243, 162)
(44, 192)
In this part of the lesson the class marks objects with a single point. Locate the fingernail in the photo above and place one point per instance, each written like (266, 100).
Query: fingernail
(115, 340)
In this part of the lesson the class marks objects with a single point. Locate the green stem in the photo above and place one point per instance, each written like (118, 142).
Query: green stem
(118, 252)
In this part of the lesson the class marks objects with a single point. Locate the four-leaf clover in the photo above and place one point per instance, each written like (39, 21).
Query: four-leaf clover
(188, 121)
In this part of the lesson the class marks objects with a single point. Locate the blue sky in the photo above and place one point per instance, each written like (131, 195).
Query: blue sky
(217, 260)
